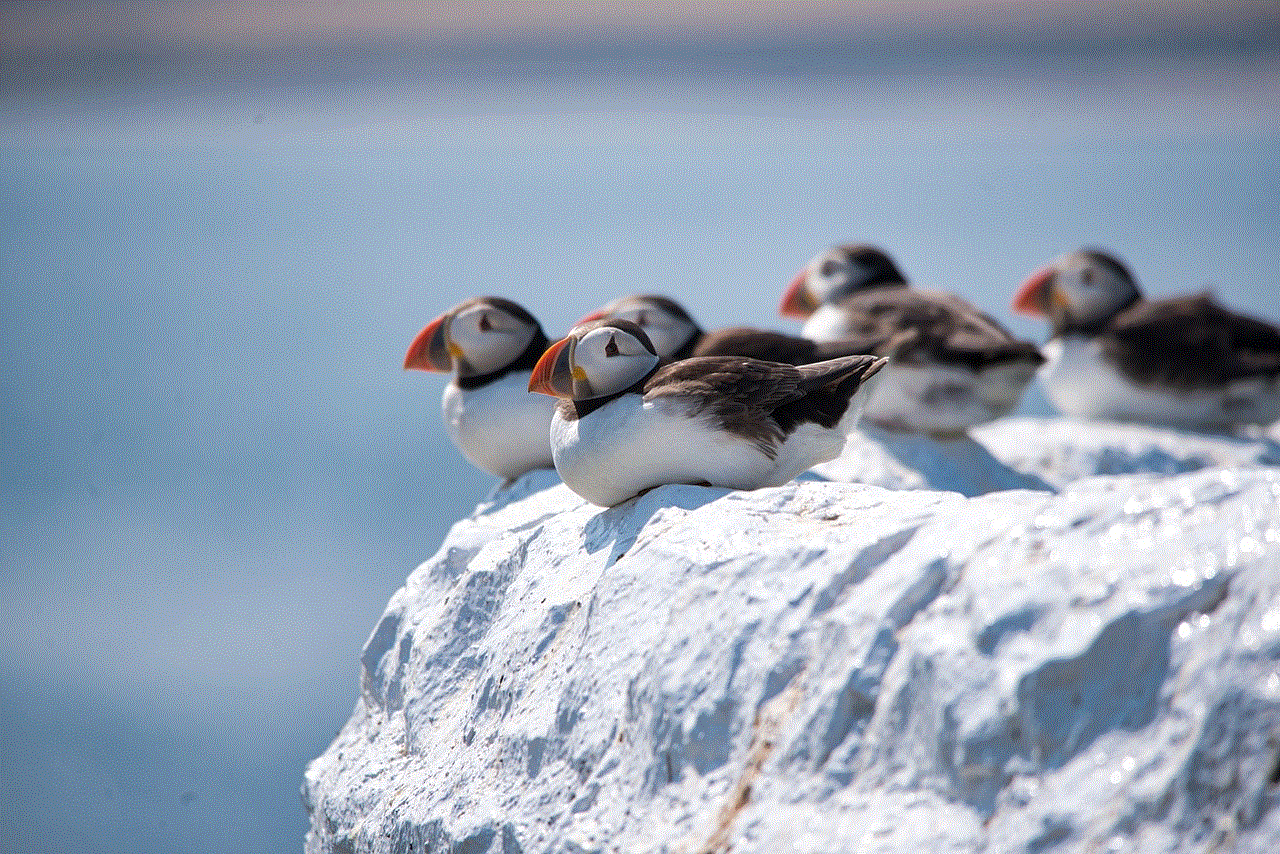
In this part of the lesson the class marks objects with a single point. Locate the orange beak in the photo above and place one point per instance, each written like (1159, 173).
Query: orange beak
(553, 374)
(430, 349)
(1035, 295)
(797, 301)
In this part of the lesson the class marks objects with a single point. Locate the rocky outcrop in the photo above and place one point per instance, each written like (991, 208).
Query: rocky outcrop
(1091, 665)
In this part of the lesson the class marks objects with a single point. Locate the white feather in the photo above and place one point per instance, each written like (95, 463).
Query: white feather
(828, 323)
(500, 427)
(629, 445)
(942, 399)
(1079, 381)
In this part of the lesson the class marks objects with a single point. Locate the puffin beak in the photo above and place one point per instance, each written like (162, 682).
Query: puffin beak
(595, 315)
(1037, 293)
(797, 301)
(431, 350)
(554, 372)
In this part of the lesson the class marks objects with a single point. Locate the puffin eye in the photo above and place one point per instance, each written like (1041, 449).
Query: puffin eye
(611, 349)
(829, 267)
(485, 325)
(642, 318)
(1086, 276)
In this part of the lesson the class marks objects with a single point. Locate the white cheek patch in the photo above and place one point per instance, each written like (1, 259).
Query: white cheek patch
(1096, 298)
(610, 374)
(621, 372)
(490, 350)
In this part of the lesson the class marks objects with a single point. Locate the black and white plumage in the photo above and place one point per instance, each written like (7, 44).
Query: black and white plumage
(1181, 361)
(670, 328)
(952, 366)
(628, 420)
(491, 345)
(676, 335)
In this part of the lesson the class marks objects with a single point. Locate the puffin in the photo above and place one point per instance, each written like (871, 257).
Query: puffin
(490, 344)
(627, 420)
(676, 335)
(952, 367)
(1182, 361)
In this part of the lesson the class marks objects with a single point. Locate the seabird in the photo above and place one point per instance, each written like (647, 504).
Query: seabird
(1180, 361)
(951, 367)
(491, 345)
(628, 420)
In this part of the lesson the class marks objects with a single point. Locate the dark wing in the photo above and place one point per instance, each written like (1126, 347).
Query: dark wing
(758, 344)
(828, 386)
(776, 346)
(1190, 342)
(928, 326)
(762, 401)
(734, 394)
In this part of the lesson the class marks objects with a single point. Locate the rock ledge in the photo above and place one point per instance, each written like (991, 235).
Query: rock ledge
(831, 667)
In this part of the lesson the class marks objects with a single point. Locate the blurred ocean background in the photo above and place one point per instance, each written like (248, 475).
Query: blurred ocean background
(222, 224)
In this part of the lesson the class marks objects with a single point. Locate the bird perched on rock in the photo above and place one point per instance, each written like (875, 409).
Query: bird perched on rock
(628, 420)
(1181, 361)
(951, 366)
(491, 345)
(676, 335)
(672, 331)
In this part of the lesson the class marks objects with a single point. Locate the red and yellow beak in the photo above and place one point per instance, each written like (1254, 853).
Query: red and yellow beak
(431, 349)
(797, 301)
(1037, 294)
(554, 374)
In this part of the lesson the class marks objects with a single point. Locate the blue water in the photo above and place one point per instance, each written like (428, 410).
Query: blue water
(215, 471)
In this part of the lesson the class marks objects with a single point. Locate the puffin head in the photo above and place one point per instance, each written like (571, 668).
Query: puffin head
(665, 321)
(836, 273)
(596, 359)
(476, 337)
(1077, 290)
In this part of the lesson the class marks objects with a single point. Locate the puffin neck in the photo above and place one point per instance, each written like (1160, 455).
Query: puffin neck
(1093, 327)
(524, 362)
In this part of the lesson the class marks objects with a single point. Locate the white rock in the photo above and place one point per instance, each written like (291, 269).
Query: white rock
(1060, 451)
(1037, 453)
(827, 667)
(908, 461)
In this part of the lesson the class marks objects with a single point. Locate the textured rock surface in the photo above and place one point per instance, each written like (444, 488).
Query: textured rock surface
(1060, 451)
(831, 667)
(1037, 453)
(907, 461)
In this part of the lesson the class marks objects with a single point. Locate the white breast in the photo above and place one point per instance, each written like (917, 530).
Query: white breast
(945, 399)
(500, 428)
(629, 445)
(828, 323)
(1079, 381)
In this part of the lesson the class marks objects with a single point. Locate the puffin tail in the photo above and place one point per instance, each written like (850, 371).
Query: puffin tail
(843, 374)
(836, 390)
